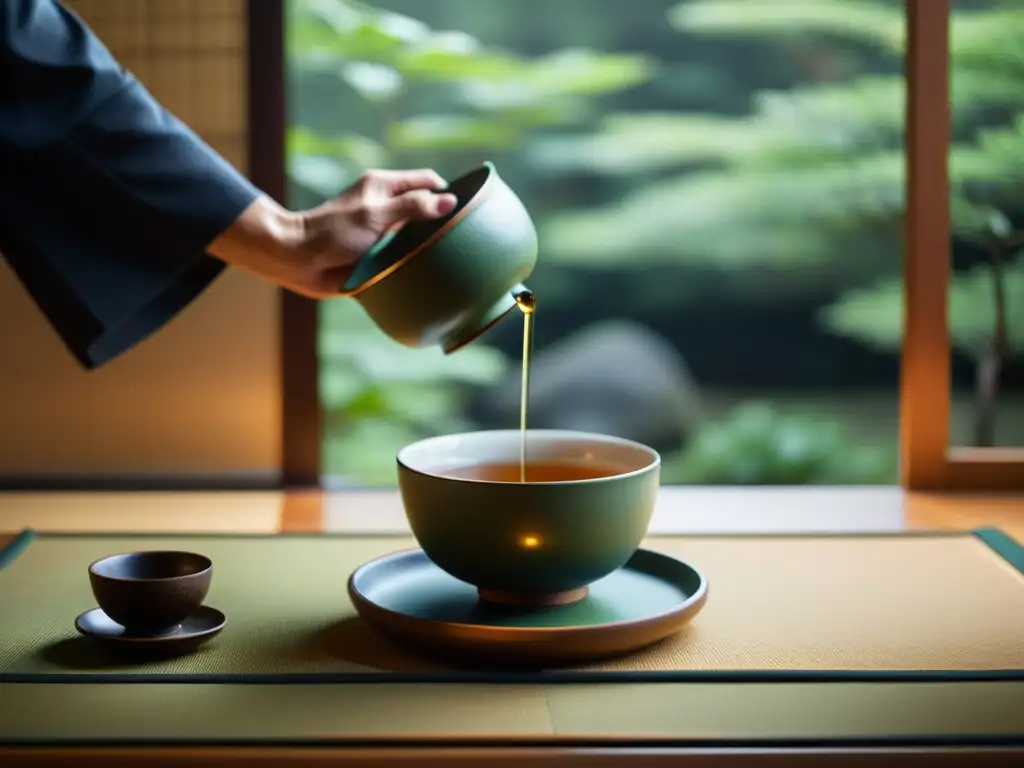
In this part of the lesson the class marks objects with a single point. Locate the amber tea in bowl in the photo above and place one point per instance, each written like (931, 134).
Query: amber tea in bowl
(580, 514)
(534, 472)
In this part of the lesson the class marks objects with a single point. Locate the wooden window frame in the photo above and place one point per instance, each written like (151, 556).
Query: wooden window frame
(301, 414)
(927, 462)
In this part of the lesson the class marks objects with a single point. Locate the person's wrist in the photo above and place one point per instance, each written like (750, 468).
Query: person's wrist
(287, 233)
(266, 239)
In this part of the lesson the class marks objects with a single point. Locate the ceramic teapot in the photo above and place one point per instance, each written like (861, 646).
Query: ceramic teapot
(447, 281)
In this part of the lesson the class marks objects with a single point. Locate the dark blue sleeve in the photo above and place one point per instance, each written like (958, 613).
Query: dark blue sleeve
(107, 201)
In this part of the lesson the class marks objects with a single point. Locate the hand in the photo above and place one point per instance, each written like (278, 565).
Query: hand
(340, 231)
(312, 252)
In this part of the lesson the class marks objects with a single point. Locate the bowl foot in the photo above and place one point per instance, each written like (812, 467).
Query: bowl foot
(537, 599)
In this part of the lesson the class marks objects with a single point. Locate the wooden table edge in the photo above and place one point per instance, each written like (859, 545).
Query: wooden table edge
(510, 755)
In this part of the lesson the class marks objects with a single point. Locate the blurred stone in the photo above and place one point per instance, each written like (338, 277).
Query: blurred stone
(614, 377)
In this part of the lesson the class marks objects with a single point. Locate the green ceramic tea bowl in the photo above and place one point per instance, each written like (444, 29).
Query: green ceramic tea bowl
(539, 542)
(445, 282)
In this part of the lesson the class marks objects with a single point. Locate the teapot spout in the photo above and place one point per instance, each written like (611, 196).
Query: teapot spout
(478, 324)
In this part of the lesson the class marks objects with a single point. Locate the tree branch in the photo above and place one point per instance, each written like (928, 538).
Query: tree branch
(990, 366)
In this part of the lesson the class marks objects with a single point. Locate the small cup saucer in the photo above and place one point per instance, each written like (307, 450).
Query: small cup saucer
(191, 633)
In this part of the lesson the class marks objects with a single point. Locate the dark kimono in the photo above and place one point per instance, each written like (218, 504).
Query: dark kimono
(107, 202)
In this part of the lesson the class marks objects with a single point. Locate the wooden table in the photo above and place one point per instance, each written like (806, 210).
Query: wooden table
(679, 511)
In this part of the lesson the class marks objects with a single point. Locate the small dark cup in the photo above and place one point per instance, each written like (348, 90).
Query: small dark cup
(150, 592)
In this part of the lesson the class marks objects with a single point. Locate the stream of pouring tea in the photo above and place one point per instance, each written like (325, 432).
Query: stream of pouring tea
(526, 300)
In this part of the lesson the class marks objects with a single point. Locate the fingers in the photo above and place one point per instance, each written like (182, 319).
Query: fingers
(418, 204)
(398, 182)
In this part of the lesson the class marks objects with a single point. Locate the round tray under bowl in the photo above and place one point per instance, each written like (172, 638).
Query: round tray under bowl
(407, 597)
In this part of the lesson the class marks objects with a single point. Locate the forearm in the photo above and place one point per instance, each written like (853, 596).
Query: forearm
(264, 237)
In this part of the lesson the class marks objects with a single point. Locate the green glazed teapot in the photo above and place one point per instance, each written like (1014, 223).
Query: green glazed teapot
(447, 281)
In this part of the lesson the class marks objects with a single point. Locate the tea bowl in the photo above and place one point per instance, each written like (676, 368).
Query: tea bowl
(149, 592)
(539, 542)
(446, 281)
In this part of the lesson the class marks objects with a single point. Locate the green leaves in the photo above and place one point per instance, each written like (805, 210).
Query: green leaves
(363, 452)
(434, 133)
(803, 126)
(733, 219)
(808, 176)
(874, 315)
(350, 341)
(638, 143)
(989, 41)
(348, 146)
(328, 164)
(805, 192)
(324, 33)
(868, 21)
(384, 395)
(386, 57)
(757, 445)
(321, 32)
(991, 171)
(426, 92)
(578, 72)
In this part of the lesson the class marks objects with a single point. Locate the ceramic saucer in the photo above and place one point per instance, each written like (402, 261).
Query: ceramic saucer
(406, 596)
(187, 636)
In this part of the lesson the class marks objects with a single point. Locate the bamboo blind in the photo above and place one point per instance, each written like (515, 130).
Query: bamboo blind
(190, 54)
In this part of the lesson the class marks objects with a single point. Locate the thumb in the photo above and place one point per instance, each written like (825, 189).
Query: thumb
(418, 204)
